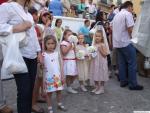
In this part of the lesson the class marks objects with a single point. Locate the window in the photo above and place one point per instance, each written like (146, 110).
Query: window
(119, 2)
(104, 1)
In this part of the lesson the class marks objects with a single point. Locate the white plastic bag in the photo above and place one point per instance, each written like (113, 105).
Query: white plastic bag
(13, 62)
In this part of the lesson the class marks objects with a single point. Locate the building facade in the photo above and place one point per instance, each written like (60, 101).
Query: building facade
(136, 3)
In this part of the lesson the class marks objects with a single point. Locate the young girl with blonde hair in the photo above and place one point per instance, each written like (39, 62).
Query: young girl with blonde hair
(98, 66)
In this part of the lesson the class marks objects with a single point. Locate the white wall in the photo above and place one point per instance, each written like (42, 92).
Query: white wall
(74, 24)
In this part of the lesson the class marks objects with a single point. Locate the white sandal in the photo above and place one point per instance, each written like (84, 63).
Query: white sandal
(61, 107)
(50, 110)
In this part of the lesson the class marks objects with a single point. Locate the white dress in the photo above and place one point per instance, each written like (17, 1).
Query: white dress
(52, 72)
(69, 61)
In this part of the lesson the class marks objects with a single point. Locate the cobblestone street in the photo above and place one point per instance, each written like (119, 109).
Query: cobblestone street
(115, 99)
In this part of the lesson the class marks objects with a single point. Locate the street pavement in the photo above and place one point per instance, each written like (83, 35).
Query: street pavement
(114, 100)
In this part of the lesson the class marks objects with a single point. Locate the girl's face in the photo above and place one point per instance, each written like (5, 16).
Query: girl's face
(81, 39)
(107, 25)
(59, 23)
(45, 19)
(50, 45)
(67, 35)
(98, 37)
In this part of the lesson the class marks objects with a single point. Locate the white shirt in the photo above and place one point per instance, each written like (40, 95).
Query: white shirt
(9, 17)
(120, 23)
(92, 8)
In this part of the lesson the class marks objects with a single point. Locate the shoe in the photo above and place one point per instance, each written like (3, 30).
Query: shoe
(50, 110)
(138, 87)
(100, 91)
(83, 88)
(70, 90)
(123, 84)
(93, 91)
(37, 109)
(6, 109)
(61, 107)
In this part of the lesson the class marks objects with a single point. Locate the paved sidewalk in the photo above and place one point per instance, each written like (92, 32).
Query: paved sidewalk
(115, 99)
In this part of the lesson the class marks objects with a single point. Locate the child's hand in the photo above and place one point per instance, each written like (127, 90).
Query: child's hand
(63, 81)
(40, 58)
(71, 46)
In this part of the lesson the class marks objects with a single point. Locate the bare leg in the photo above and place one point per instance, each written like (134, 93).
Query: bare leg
(68, 81)
(59, 99)
(59, 96)
(49, 99)
(81, 83)
(35, 92)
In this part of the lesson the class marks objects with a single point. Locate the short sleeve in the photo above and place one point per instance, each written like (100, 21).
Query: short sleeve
(129, 20)
(63, 43)
(5, 28)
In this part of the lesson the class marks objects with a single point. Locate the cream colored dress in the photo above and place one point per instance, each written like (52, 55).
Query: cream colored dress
(99, 68)
(82, 65)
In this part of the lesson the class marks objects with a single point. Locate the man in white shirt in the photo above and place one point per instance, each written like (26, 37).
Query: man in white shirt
(92, 8)
(122, 26)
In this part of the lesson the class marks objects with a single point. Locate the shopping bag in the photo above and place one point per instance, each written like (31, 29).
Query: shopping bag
(13, 62)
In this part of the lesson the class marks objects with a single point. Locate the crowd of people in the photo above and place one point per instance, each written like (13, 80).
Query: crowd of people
(55, 56)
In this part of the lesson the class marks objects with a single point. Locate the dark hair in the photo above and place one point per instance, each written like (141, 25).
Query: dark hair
(49, 37)
(27, 2)
(112, 6)
(99, 16)
(45, 14)
(127, 4)
(86, 21)
(86, 8)
(65, 33)
(32, 11)
(47, 3)
(57, 20)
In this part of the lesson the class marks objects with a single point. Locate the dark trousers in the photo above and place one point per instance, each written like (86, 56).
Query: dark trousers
(25, 85)
(127, 65)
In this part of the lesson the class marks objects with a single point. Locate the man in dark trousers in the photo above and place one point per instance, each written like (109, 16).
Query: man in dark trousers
(123, 22)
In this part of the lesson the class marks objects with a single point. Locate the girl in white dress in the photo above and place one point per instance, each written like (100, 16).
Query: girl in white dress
(53, 76)
(69, 60)
(82, 62)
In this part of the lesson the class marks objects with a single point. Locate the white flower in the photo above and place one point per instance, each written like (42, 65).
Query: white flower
(73, 39)
(80, 54)
(92, 51)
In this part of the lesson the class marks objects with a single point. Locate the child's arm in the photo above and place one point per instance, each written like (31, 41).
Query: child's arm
(103, 50)
(65, 49)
